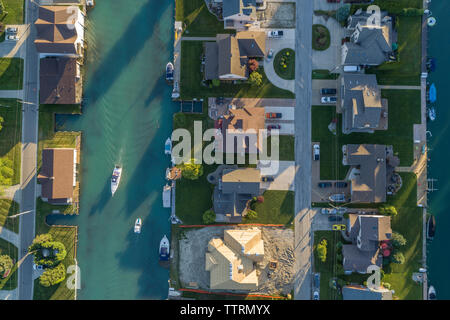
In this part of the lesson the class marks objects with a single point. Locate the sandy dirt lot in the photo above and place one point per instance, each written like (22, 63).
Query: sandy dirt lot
(277, 15)
(278, 245)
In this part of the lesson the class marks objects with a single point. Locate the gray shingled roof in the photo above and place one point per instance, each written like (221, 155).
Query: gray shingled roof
(211, 61)
(231, 7)
(356, 260)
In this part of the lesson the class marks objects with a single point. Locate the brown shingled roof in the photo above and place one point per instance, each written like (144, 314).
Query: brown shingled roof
(58, 81)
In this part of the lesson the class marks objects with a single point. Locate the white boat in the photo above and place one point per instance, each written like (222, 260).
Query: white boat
(432, 114)
(168, 146)
(115, 179)
(431, 293)
(138, 225)
(164, 249)
(169, 72)
(166, 196)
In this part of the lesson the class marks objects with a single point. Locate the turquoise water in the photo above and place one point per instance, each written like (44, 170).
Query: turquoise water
(439, 47)
(126, 119)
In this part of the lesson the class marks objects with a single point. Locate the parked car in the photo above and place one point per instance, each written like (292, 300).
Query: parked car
(338, 227)
(12, 37)
(316, 152)
(328, 100)
(273, 126)
(270, 54)
(317, 280)
(334, 218)
(316, 295)
(328, 211)
(275, 34)
(341, 210)
(11, 30)
(340, 184)
(352, 68)
(273, 115)
(324, 184)
(334, 1)
(326, 91)
(267, 179)
(339, 197)
(37, 267)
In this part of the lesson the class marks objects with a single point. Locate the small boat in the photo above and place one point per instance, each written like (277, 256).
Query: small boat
(115, 179)
(168, 146)
(169, 72)
(432, 93)
(431, 21)
(432, 114)
(166, 196)
(138, 225)
(164, 248)
(431, 293)
(431, 227)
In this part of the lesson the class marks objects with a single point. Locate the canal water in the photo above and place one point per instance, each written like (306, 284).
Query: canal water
(127, 116)
(439, 48)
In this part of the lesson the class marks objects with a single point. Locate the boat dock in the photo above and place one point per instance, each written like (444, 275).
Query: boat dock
(166, 196)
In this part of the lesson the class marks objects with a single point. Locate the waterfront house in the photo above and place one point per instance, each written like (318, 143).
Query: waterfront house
(58, 175)
(366, 232)
(227, 57)
(238, 14)
(358, 292)
(371, 41)
(372, 167)
(60, 81)
(363, 109)
(232, 194)
(231, 261)
(60, 31)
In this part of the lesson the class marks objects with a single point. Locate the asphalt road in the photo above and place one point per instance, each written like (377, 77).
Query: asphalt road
(29, 154)
(303, 154)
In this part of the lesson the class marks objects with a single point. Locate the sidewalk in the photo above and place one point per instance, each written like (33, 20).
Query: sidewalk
(9, 236)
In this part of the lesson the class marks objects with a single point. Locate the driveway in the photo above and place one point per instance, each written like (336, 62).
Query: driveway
(287, 113)
(317, 85)
(325, 5)
(286, 128)
(277, 44)
(11, 48)
(329, 59)
(283, 180)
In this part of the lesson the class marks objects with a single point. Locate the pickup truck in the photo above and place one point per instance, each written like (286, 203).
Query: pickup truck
(273, 115)
(275, 34)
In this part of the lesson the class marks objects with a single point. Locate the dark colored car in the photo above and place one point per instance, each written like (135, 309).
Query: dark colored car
(317, 280)
(334, 218)
(267, 179)
(326, 91)
(324, 184)
(273, 126)
(273, 115)
(340, 184)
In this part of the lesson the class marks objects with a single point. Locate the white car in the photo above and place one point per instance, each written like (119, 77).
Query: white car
(316, 152)
(270, 55)
(328, 211)
(12, 37)
(328, 99)
(11, 30)
(275, 34)
(316, 295)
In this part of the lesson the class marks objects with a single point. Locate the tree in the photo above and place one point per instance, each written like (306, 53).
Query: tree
(6, 172)
(47, 252)
(343, 12)
(260, 199)
(253, 65)
(388, 210)
(2, 8)
(190, 170)
(251, 215)
(398, 258)
(52, 276)
(209, 217)
(215, 82)
(322, 250)
(398, 240)
(41, 238)
(255, 79)
(6, 263)
(1, 118)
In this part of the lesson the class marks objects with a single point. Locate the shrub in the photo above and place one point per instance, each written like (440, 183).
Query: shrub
(251, 215)
(386, 285)
(253, 65)
(191, 170)
(388, 210)
(398, 258)
(343, 12)
(398, 240)
(255, 79)
(53, 276)
(215, 82)
(209, 217)
(6, 264)
(322, 250)
(260, 199)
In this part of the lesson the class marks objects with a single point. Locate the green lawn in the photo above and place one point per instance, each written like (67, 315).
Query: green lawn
(10, 137)
(324, 74)
(277, 208)
(407, 70)
(404, 111)
(13, 14)
(11, 74)
(12, 251)
(191, 80)
(199, 22)
(285, 57)
(8, 208)
(66, 235)
(286, 147)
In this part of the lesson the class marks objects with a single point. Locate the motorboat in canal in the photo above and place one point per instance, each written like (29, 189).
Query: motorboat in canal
(432, 93)
(115, 179)
(169, 72)
(431, 293)
(168, 146)
(432, 114)
(138, 225)
(431, 227)
(164, 248)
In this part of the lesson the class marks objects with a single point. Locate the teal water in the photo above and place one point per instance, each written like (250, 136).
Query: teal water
(439, 48)
(126, 119)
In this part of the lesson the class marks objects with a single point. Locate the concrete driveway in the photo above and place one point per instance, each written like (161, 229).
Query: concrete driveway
(329, 59)
(287, 113)
(12, 48)
(286, 128)
(317, 85)
(283, 180)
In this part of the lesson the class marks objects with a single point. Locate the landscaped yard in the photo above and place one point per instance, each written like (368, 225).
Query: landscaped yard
(199, 22)
(277, 208)
(9, 208)
(320, 37)
(284, 64)
(404, 111)
(191, 80)
(10, 140)
(11, 73)
(12, 251)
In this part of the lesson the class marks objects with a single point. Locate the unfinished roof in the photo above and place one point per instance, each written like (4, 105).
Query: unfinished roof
(56, 32)
(357, 292)
(369, 184)
(246, 241)
(57, 173)
(58, 81)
